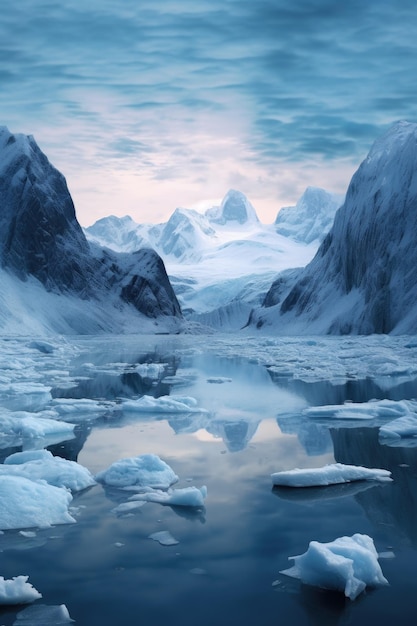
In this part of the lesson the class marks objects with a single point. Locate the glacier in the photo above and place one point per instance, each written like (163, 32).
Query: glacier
(220, 263)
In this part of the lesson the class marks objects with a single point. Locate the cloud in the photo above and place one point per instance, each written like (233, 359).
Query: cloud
(170, 90)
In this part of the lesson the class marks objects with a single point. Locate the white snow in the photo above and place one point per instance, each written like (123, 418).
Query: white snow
(30, 504)
(17, 591)
(347, 564)
(331, 474)
(146, 470)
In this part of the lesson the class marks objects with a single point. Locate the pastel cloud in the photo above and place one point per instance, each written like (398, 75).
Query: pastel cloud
(164, 103)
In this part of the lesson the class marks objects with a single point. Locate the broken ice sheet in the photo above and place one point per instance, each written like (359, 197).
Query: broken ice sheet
(164, 537)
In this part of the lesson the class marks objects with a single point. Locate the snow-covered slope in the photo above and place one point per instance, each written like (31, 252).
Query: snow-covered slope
(43, 249)
(363, 278)
(311, 218)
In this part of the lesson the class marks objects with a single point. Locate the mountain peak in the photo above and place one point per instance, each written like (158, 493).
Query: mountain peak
(235, 207)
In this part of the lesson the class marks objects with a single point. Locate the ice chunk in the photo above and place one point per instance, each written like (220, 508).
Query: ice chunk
(331, 474)
(43, 615)
(360, 410)
(21, 396)
(164, 537)
(146, 470)
(24, 425)
(17, 591)
(347, 564)
(79, 409)
(189, 496)
(164, 404)
(396, 431)
(43, 465)
(29, 504)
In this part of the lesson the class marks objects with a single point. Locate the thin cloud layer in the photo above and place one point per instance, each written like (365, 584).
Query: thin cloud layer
(148, 105)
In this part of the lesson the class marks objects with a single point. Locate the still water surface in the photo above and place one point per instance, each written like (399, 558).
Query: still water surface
(225, 568)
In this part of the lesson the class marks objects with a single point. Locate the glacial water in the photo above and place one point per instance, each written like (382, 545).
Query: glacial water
(225, 568)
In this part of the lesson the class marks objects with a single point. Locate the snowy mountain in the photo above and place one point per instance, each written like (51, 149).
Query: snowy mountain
(311, 218)
(185, 236)
(235, 207)
(363, 278)
(44, 251)
(220, 264)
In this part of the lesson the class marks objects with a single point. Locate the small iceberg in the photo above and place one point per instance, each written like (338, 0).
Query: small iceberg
(27, 503)
(400, 432)
(17, 591)
(347, 564)
(189, 496)
(145, 470)
(43, 465)
(331, 474)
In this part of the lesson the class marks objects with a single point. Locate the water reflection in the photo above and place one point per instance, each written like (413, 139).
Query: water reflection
(395, 507)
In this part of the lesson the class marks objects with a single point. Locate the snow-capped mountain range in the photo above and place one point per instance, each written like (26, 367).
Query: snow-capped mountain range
(363, 278)
(51, 277)
(221, 263)
(360, 279)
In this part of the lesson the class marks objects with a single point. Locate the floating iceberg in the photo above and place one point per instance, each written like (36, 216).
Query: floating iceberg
(17, 591)
(26, 503)
(328, 475)
(347, 564)
(164, 404)
(43, 465)
(403, 428)
(189, 496)
(146, 470)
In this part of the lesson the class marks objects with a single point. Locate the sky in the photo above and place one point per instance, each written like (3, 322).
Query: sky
(149, 105)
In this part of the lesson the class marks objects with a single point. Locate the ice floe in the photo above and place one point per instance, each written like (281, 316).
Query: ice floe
(347, 564)
(26, 503)
(189, 496)
(331, 474)
(400, 432)
(43, 465)
(17, 591)
(145, 470)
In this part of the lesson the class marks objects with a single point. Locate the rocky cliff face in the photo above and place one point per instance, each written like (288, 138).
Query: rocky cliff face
(363, 278)
(40, 237)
